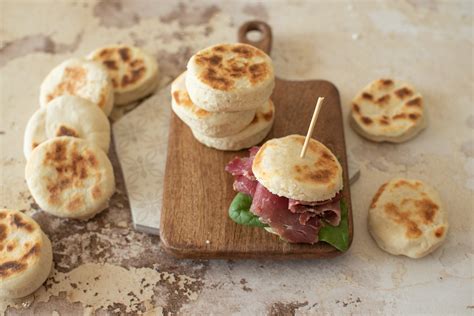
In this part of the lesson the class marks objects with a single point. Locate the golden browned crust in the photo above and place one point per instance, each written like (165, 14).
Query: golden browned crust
(13, 223)
(133, 67)
(74, 78)
(387, 108)
(403, 218)
(403, 93)
(72, 167)
(181, 97)
(224, 64)
(66, 131)
(377, 195)
(411, 213)
(439, 232)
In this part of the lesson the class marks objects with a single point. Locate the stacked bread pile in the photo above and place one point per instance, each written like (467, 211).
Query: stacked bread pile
(66, 143)
(224, 96)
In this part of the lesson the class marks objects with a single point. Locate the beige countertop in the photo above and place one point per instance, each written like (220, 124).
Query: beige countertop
(104, 266)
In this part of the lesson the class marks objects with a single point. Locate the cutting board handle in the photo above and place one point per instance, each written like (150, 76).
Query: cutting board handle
(264, 43)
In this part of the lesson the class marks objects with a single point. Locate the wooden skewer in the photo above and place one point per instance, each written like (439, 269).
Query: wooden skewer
(311, 125)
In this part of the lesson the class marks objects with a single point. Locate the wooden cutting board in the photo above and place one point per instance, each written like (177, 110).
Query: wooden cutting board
(197, 191)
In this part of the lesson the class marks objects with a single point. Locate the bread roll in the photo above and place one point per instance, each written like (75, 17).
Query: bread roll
(315, 177)
(230, 78)
(67, 115)
(406, 217)
(251, 135)
(26, 256)
(133, 72)
(388, 110)
(86, 79)
(214, 124)
(69, 177)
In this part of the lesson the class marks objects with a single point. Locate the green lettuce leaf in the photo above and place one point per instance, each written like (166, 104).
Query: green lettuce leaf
(239, 211)
(337, 236)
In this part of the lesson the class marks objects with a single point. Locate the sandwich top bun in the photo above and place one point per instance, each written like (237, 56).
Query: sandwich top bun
(251, 135)
(230, 77)
(279, 168)
(388, 110)
(83, 78)
(214, 124)
(67, 115)
(26, 256)
(69, 177)
(133, 72)
(406, 217)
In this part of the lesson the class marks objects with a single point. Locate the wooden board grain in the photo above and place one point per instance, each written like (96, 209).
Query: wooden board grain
(197, 191)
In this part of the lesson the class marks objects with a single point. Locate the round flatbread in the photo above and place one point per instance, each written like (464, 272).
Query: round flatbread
(87, 79)
(67, 115)
(230, 77)
(133, 72)
(315, 177)
(251, 135)
(214, 124)
(388, 110)
(69, 177)
(407, 218)
(26, 256)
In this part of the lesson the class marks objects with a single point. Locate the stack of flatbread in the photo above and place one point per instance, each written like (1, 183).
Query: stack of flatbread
(67, 139)
(224, 96)
(66, 142)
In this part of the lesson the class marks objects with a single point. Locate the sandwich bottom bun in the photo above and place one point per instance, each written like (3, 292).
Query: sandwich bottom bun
(67, 115)
(26, 256)
(251, 135)
(406, 217)
(388, 110)
(214, 124)
(69, 177)
(315, 177)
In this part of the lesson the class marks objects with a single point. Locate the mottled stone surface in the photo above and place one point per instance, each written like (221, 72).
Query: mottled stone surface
(104, 266)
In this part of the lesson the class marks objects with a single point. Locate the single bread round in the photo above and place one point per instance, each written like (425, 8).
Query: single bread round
(230, 77)
(315, 177)
(70, 177)
(87, 79)
(26, 256)
(214, 124)
(388, 110)
(251, 135)
(67, 115)
(406, 217)
(133, 72)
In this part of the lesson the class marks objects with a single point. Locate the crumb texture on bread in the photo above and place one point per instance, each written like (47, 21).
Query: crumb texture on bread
(406, 217)
(388, 110)
(316, 177)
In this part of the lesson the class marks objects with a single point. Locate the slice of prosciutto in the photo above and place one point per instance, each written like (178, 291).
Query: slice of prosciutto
(293, 220)
(329, 211)
(273, 210)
